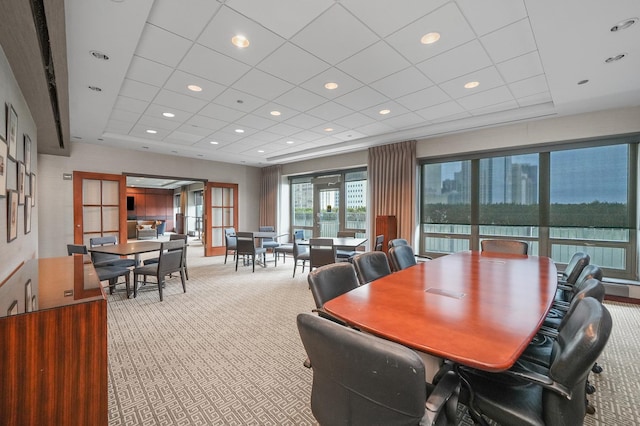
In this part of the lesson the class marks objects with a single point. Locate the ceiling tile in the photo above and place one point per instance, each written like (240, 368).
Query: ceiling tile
(345, 82)
(182, 138)
(510, 42)
(486, 98)
(190, 129)
(329, 111)
(284, 129)
(300, 99)
(206, 122)
(306, 136)
(402, 83)
(349, 135)
(239, 100)
(262, 85)
(385, 17)
(228, 23)
(530, 86)
(484, 16)
(154, 122)
(284, 17)
(441, 110)
(130, 104)
(347, 36)
(394, 108)
(125, 116)
(292, 64)
(361, 98)
(179, 81)
(147, 71)
(213, 66)
(141, 132)
(538, 98)
(136, 90)
(448, 21)
(521, 67)
(488, 79)
(302, 121)
(183, 18)
(285, 113)
(423, 98)
(118, 127)
(179, 101)
(162, 46)
(255, 122)
(373, 63)
(221, 112)
(405, 121)
(158, 110)
(458, 61)
(355, 120)
(503, 106)
(375, 128)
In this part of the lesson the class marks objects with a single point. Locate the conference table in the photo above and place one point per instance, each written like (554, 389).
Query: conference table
(474, 308)
(344, 243)
(135, 248)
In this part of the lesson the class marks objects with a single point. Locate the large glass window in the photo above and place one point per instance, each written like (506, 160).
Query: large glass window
(575, 198)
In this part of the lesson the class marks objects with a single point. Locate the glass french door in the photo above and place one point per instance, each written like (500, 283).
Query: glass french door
(99, 206)
(220, 212)
(326, 202)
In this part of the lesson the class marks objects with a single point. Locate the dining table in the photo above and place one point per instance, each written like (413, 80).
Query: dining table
(479, 309)
(135, 248)
(343, 243)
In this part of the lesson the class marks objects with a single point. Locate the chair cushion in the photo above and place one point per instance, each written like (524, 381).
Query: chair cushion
(110, 272)
(151, 269)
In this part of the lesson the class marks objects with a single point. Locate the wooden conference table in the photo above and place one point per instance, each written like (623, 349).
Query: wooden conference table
(477, 309)
(126, 249)
(347, 243)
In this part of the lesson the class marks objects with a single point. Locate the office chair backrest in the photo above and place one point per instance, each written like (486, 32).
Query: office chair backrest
(267, 229)
(371, 265)
(589, 288)
(331, 281)
(575, 266)
(505, 246)
(321, 252)
(397, 242)
(298, 234)
(377, 246)
(98, 258)
(359, 379)
(171, 257)
(589, 271)
(76, 249)
(578, 346)
(346, 234)
(230, 239)
(245, 243)
(402, 257)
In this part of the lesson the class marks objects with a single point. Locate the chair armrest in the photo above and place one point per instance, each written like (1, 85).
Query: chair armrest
(548, 331)
(538, 377)
(422, 256)
(566, 287)
(444, 396)
(321, 312)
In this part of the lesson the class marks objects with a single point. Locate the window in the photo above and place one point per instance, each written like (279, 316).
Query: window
(575, 198)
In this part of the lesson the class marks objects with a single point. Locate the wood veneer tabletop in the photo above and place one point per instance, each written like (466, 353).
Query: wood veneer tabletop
(125, 249)
(478, 309)
(346, 242)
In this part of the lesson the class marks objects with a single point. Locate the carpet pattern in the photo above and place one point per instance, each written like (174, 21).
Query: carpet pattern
(227, 352)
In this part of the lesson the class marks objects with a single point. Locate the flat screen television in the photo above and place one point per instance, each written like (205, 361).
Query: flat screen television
(131, 203)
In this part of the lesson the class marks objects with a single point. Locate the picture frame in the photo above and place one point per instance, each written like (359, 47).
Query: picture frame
(27, 154)
(33, 189)
(3, 167)
(13, 309)
(21, 183)
(3, 122)
(12, 133)
(28, 296)
(27, 215)
(12, 215)
(34, 303)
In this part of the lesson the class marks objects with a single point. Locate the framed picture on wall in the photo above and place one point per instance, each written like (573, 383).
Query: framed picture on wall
(21, 183)
(12, 215)
(13, 309)
(28, 297)
(33, 189)
(3, 167)
(27, 215)
(12, 133)
(27, 153)
(3, 122)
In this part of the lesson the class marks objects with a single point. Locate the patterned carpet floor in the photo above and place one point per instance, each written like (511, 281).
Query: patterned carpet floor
(227, 352)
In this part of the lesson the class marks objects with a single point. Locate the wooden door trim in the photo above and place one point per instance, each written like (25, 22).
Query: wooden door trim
(210, 250)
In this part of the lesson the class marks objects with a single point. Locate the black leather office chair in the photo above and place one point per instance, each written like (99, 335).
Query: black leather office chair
(574, 268)
(397, 242)
(371, 265)
(170, 260)
(378, 244)
(505, 246)
(330, 281)
(360, 379)
(534, 395)
(231, 243)
(567, 291)
(247, 247)
(402, 257)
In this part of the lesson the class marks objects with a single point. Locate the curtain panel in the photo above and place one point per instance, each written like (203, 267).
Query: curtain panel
(269, 195)
(392, 181)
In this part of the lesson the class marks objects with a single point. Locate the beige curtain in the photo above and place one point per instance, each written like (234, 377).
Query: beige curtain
(269, 195)
(392, 180)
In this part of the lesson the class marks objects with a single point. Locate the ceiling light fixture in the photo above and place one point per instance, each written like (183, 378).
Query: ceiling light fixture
(275, 113)
(471, 85)
(261, 151)
(331, 86)
(615, 58)
(240, 41)
(328, 129)
(239, 131)
(290, 142)
(168, 114)
(213, 143)
(583, 82)
(99, 55)
(430, 38)
(623, 25)
(385, 111)
(194, 88)
(153, 132)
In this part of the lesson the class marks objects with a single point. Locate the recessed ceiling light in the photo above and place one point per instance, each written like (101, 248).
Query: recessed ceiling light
(471, 85)
(430, 38)
(328, 129)
(99, 55)
(275, 113)
(583, 81)
(213, 143)
(194, 88)
(290, 142)
(331, 86)
(153, 132)
(95, 88)
(168, 114)
(623, 25)
(240, 41)
(615, 58)
(239, 131)
(261, 151)
(385, 111)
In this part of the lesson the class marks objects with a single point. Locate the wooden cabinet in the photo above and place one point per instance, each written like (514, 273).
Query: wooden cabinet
(54, 350)
(387, 226)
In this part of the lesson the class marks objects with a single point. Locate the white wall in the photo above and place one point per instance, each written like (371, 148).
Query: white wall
(56, 194)
(24, 247)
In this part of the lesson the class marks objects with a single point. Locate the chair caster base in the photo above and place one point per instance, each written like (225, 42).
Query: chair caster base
(590, 389)
(591, 409)
(596, 369)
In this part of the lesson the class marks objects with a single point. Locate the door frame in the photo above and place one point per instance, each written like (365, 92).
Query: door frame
(207, 221)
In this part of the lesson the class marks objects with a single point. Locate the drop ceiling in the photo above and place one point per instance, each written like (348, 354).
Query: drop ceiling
(527, 56)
